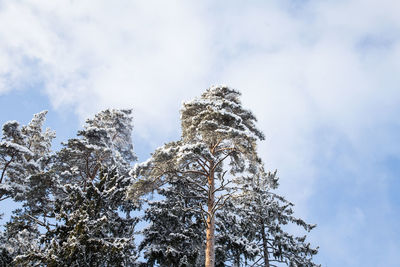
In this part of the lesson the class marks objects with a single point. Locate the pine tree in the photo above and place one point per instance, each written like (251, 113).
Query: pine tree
(218, 138)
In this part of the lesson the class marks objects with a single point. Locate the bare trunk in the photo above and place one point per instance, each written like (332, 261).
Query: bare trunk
(265, 245)
(210, 237)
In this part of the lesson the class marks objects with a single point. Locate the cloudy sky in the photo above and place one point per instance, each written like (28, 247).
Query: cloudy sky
(322, 77)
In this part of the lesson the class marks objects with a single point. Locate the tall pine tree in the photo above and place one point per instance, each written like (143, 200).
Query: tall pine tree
(218, 142)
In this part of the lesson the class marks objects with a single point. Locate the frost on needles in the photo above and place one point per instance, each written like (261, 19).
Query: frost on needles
(202, 200)
(217, 162)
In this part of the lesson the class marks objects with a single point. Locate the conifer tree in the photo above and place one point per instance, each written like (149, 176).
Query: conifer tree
(265, 214)
(235, 245)
(218, 142)
(24, 155)
(94, 222)
(174, 236)
(92, 230)
(73, 200)
(105, 141)
(25, 158)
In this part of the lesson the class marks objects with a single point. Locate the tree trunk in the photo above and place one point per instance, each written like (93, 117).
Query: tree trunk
(265, 245)
(210, 237)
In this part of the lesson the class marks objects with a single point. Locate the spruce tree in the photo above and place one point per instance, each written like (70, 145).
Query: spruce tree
(24, 155)
(265, 215)
(92, 229)
(105, 141)
(234, 245)
(25, 158)
(94, 222)
(174, 236)
(74, 208)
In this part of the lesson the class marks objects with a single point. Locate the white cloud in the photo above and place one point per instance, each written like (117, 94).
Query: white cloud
(93, 54)
(315, 73)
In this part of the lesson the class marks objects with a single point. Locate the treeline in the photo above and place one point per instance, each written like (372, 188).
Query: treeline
(206, 198)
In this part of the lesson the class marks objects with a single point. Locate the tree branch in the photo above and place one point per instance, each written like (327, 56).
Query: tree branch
(194, 172)
(4, 198)
(200, 162)
(198, 186)
(216, 207)
(5, 168)
(212, 150)
(221, 160)
(203, 162)
(41, 223)
(224, 148)
(222, 186)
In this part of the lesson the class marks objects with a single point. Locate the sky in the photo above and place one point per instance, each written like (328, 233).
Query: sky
(322, 77)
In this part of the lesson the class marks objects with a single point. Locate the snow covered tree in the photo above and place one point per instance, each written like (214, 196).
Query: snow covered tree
(24, 155)
(265, 214)
(92, 229)
(5, 256)
(105, 141)
(89, 199)
(174, 236)
(21, 235)
(25, 158)
(118, 126)
(218, 142)
(234, 244)
(74, 200)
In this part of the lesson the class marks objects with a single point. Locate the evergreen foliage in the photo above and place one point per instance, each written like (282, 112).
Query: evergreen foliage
(74, 210)
(215, 205)
(263, 216)
(92, 231)
(24, 154)
(174, 236)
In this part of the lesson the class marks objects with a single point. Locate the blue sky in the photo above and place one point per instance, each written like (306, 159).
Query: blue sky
(322, 77)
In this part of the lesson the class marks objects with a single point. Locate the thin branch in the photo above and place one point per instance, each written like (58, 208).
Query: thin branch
(203, 162)
(41, 223)
(222, 186)
(5, 168)
(4, 198)
(215, 146)
(254, 264)
(216, 207)
(194, 172)
(199, 161)
(199, 186)
(203, 216)
(221, 160)
(224, 148)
